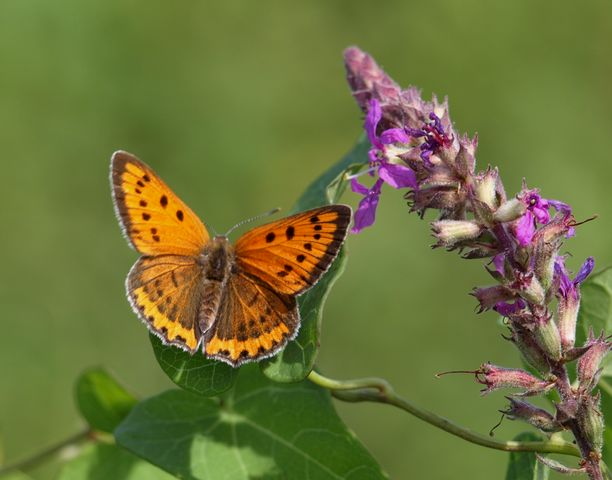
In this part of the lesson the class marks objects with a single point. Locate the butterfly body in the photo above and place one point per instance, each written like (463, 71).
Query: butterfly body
(236, 303)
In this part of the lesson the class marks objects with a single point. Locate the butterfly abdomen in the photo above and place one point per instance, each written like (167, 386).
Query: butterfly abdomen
(216, 261)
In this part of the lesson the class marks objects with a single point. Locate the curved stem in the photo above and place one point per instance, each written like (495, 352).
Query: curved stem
(379, 390)
(41, 456)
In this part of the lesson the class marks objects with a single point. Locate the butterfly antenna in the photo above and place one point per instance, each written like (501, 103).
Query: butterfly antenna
(256, 217)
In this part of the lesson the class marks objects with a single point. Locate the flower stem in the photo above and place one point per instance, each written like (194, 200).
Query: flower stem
(379, 390)
(39, 457)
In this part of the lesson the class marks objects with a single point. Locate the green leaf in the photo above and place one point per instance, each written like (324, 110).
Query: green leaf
(596, 310)
(524, 465)
(103, 462)
(259, 429)
(596, 303)
(605, 387)
(328, 188)
(195, 372)
(102, 401)
(297, 359)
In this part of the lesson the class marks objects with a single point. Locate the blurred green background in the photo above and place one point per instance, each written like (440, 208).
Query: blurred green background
(239, 105)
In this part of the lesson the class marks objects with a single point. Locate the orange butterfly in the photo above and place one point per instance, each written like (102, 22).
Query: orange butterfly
(238, 301)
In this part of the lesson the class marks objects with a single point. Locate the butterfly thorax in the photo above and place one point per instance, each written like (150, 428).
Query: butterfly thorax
(217, 258)
(216, 261)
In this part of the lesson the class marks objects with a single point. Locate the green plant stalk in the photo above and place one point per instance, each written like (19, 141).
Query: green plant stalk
(43, 455)
(380, 391)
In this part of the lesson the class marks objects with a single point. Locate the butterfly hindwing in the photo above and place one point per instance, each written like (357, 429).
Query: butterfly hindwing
(291, 254)
(165, 292)
(254, 322)
(153, 218)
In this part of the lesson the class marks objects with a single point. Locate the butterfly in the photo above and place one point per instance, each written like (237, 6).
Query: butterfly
(237, 303)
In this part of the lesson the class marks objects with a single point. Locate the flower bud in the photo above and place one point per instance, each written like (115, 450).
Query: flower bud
(567, 316)
(485, 188)
(529, 348)
(539, 418)
(547, 336)
(510, 210)
(589, 364)
(495, 377)
(591, 420)
(544, 255)
(489, 297)
(556, 229)
(569, 299)
(465, 160)
(528, 287)
(482, 213)
(450, 232)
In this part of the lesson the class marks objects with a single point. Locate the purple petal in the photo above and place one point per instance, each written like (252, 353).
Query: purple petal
(394, 135)
(371, 122)
(373, 155)
(525, 228)
(366, 211)
(541, 214)
(565, 284)
(585, 270)
(560, 206)
(499, 260)
(506, 309)
(398, 176)
(358, 187)
(538, 206)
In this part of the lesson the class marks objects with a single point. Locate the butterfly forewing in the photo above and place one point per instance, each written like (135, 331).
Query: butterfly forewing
(254, 322)
(153, 218)
(165, 291)
(291, 254)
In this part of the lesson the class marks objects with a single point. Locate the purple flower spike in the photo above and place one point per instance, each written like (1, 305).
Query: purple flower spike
(414, 146)
(366, 212)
